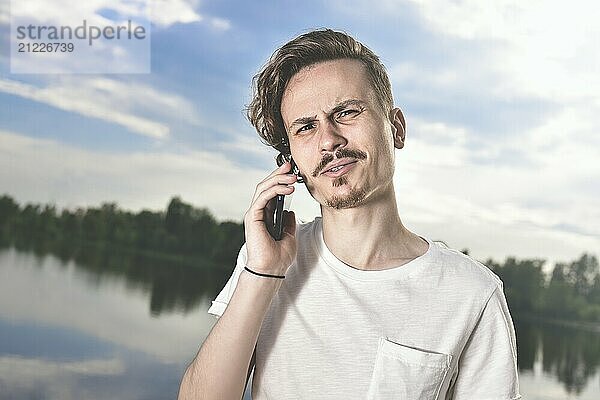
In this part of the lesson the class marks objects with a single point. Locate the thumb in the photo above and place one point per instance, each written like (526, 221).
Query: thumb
(289, 223)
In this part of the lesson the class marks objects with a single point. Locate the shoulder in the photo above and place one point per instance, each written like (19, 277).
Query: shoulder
(462, 270)
(466, 286)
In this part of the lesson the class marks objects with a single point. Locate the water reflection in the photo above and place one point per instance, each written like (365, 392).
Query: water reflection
(77, 331)
(104, 325)
(48, 362)
(571, 356)
(174, 285)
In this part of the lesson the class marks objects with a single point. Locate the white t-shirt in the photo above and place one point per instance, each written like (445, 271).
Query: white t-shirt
(437, 327)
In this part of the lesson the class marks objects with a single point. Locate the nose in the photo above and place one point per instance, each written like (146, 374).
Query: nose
(331, 137)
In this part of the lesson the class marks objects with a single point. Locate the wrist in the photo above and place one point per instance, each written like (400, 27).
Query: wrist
(261, 268)
(271, 285)
(263, 275)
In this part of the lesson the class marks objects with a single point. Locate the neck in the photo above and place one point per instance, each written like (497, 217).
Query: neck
(371, 236)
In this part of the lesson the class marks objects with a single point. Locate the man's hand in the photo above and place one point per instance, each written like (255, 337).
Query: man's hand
(265, 254)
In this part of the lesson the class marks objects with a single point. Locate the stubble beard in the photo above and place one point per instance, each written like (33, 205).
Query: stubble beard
(352, 199)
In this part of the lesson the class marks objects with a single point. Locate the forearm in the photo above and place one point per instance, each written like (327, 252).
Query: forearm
(219, 370)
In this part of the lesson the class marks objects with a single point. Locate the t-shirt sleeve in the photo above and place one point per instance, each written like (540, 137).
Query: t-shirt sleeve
(220, 303)
(487, 368)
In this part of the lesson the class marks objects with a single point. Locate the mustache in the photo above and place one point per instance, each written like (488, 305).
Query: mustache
(340, 153)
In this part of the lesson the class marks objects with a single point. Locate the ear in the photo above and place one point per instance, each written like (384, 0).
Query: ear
(398, 127)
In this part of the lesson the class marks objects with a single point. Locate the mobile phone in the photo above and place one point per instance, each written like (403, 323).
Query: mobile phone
(274, 210)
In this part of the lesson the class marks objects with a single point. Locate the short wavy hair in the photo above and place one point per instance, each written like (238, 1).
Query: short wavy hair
(268, 86)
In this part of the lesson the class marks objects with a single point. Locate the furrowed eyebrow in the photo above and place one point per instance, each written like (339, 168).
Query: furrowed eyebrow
(302, 121)
(344, 104)
(337, 108)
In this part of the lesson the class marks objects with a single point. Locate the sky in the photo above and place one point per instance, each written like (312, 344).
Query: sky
(500, 100)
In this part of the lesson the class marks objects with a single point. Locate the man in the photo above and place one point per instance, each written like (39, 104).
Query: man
(351, 305)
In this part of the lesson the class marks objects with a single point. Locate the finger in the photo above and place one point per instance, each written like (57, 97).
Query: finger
(286, 166)
(280, 179)
(284, 170)
(257, 207)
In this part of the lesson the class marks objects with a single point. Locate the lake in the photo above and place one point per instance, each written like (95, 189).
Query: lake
(122, 326)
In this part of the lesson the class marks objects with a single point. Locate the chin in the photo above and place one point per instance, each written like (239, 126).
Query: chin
(340, 194)
(352, 198)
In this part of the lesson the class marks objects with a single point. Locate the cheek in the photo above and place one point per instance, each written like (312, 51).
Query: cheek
(303, 160)
(383, 151)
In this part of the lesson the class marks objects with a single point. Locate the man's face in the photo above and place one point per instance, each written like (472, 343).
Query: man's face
(332, 117)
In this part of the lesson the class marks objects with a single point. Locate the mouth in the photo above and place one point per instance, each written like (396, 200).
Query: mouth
(339, 168)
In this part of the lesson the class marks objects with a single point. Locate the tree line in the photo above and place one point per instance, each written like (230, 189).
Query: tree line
(571, 291)
(181, 231)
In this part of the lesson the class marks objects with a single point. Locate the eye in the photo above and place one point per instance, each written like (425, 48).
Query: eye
(305, 128)
(347, 113)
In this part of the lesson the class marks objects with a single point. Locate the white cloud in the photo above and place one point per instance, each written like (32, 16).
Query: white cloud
(74, 177)
(541, 48)
(247, 144)
(498, 209)
(169, 12)
(471, 19)
(536, 51)
(437, 144)
(406, 72)
(220, 23)
(4, 12)
(162, 13)
(110, 100)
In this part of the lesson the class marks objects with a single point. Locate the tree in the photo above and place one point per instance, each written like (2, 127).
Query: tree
(204, 233)
(594, 294)
(149, 230)
(230, 239)
(559, 299)
(178, 223)
(523, 283)
(93, 226)
(581, 274)
(9, 211)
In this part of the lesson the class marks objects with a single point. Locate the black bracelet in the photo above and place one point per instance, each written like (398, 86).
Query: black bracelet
(265, 275)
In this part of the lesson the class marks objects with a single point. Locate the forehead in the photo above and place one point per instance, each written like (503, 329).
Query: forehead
(319, 87)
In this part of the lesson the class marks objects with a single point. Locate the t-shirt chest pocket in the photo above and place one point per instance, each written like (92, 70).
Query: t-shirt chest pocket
(402, 372)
